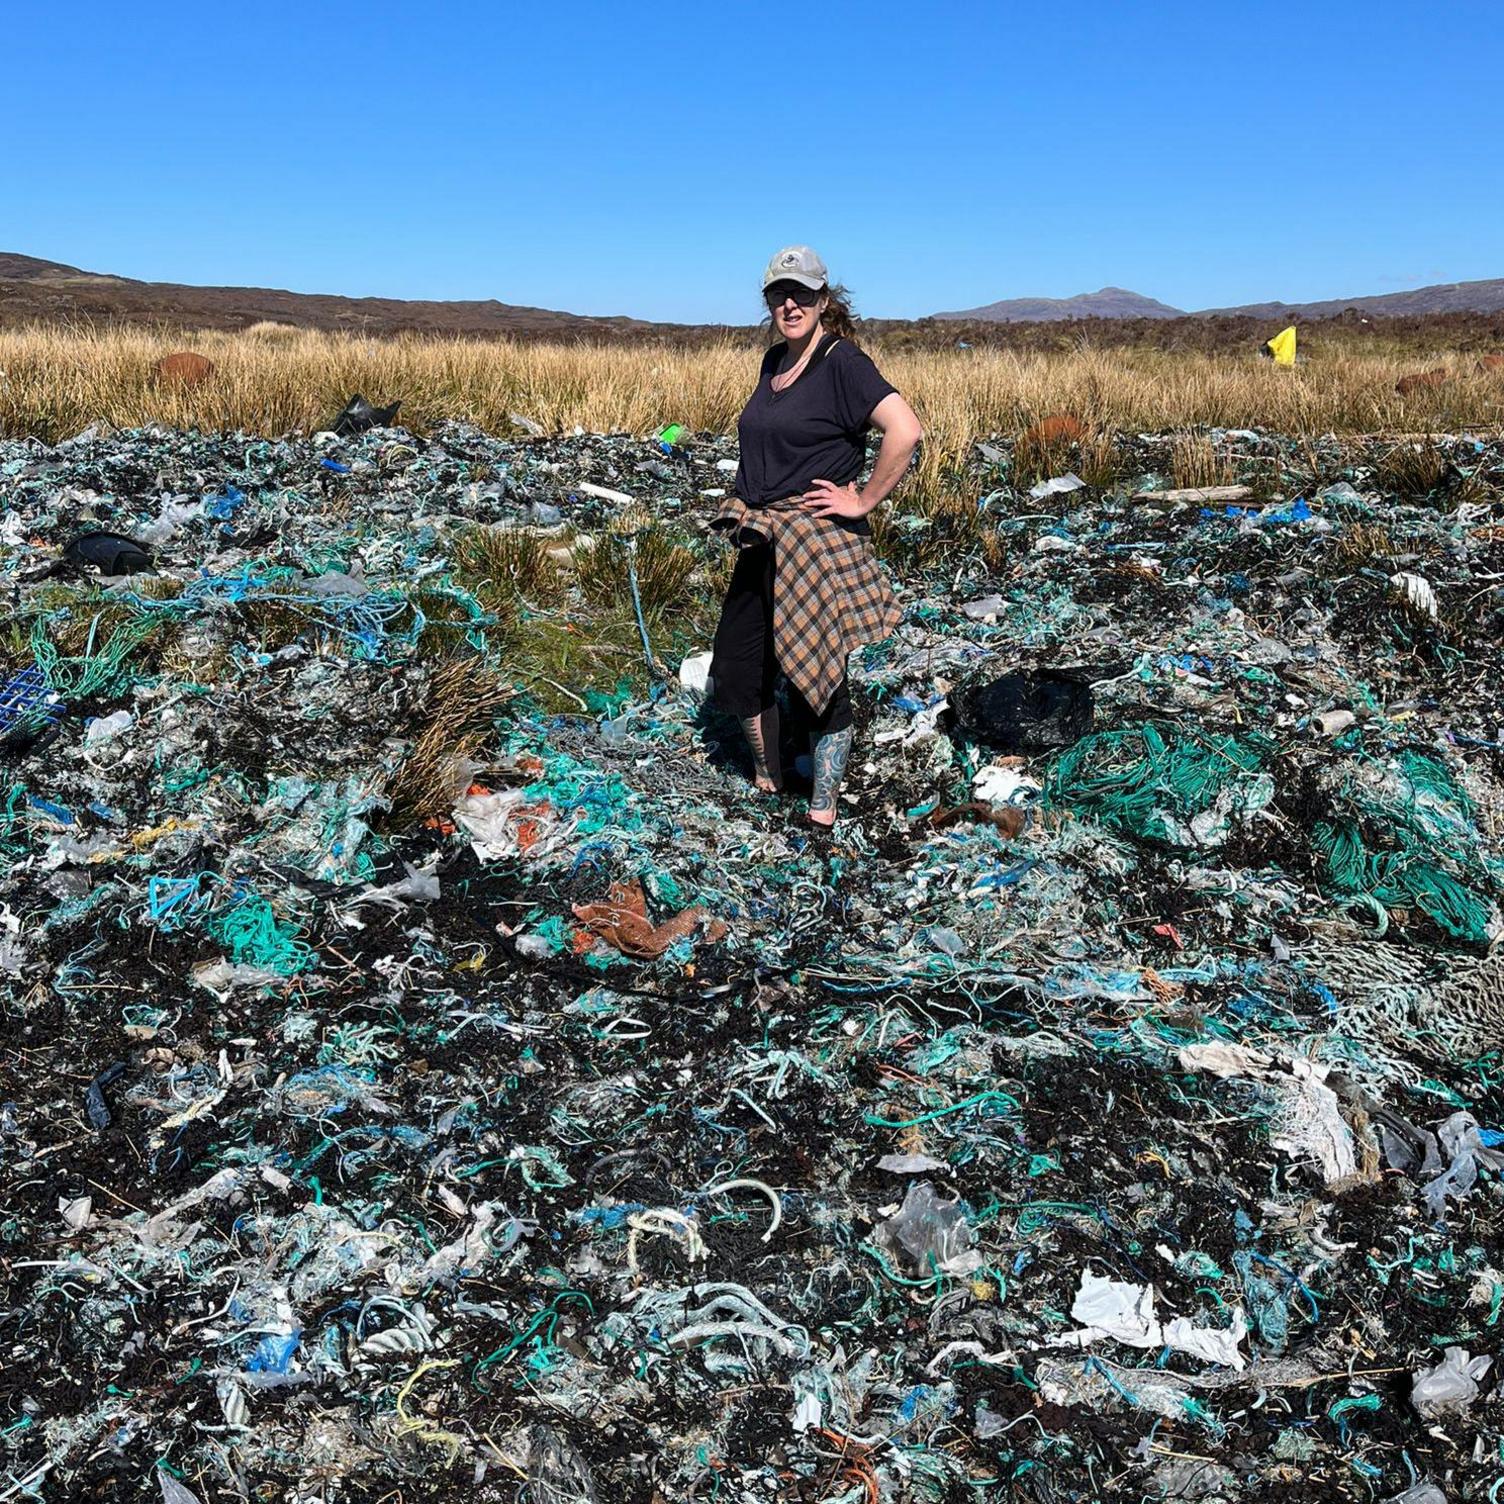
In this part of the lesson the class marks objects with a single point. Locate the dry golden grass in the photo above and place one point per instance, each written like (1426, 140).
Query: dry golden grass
(268, 381)
(465, 697)
(271, 332)
(1196, 461)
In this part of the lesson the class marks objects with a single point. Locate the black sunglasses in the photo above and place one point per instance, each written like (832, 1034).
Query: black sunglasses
(780, 292)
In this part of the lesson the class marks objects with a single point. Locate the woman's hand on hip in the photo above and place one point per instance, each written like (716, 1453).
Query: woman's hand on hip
(826, 499)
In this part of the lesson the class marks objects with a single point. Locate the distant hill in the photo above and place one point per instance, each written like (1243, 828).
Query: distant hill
(1109, 303)
(36, 291)
(1116, 303)
(1444, 297)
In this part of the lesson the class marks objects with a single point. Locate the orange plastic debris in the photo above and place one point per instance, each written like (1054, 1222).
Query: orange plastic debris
(1058, 428)
(621, 920)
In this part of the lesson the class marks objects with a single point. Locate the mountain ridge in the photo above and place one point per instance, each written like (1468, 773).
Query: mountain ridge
(1106, 303)
(34, 290)
(1484, 296)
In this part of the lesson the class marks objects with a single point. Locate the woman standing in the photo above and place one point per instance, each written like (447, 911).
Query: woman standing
(806, 588)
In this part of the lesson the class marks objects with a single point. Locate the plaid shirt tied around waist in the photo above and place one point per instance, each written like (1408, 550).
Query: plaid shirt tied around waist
(829, 593)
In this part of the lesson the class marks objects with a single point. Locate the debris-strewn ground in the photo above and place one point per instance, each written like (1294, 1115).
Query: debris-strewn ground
(431, 1072)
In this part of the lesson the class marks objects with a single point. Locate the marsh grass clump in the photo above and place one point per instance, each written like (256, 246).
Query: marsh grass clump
(562, 662)
(273, 625)
(273, 332)
(1414, 469)
(509, 561)
(995, 551)
(457, 719)
(1038, 456)
(1197, 463)
(666, 566)
(1361, 544)
(1100, 462)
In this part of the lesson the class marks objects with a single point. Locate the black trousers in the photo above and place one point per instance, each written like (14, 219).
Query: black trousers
(743, 663)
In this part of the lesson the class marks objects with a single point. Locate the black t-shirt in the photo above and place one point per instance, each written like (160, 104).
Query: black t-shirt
(812, 430)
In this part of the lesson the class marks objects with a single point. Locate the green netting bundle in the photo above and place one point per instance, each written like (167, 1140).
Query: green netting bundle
(98, 669)
(1407, 838)
(254, 936)
(1179, 788)
(1399, 879)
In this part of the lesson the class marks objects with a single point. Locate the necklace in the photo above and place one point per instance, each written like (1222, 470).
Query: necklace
(785, 379)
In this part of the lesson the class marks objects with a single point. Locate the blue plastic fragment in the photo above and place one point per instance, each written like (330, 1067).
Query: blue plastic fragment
(335, 466)
(58, 812)
(225, 506)
(274, 1352)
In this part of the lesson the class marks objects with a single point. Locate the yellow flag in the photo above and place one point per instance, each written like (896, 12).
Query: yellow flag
(1282, 347)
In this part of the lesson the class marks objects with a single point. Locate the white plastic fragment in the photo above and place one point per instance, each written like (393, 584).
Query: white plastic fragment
(1052, 543)
(910, 1164)
(985, 609)
(1112, 1308)
(808, 1414)
(233, 1404)
(997, 784)
(174, 1492)
(1452, 1385)
(694, 674)
(589, 488)
(75, 1211)
(1058, 485)
(420, 885)
(1310, 1123)
(1125, 1312)
(1334, 722)
(1420, 1493)
(103, 728)
(1198, 495)
(1417, 592)
(504, 824)
(1210, 1344)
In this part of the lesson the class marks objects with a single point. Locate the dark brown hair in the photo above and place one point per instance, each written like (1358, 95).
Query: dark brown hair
(837, 318)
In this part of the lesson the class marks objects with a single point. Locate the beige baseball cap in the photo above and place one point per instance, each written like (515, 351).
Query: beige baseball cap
(796, 263)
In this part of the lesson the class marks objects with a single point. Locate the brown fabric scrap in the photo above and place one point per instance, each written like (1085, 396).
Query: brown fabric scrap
(621, 920)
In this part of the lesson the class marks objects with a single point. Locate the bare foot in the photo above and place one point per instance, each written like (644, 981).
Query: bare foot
(762, 738)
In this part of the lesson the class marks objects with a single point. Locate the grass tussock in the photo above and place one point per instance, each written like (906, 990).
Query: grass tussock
(1196, 462)
(510, 562)
(271, 332)
(1100, 462)
(464, 700)
(666, 567)
(1412, 469)
(1362, 544)
(1036, 458)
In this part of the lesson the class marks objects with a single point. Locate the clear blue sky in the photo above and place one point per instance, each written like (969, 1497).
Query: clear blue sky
(647, 159)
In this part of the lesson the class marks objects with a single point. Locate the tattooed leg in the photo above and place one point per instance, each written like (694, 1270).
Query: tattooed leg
(830, 754)
(762, 738)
